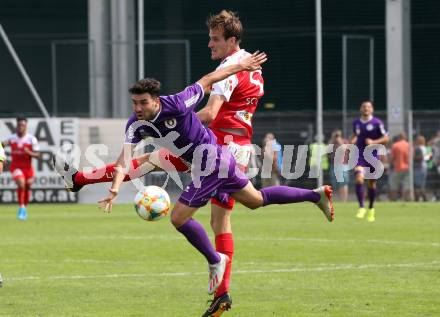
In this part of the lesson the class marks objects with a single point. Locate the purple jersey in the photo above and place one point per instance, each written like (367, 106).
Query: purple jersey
(176, 115)
(178, 129)
(371, 129)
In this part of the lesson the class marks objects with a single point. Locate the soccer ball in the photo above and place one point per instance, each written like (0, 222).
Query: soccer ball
(152, 203)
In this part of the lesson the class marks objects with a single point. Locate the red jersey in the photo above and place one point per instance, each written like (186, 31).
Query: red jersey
(19, 157)
(242, 92)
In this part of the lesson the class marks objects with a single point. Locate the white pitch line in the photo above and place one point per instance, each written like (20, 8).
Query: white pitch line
(377, 241)
(328, 267)
(87, 261)
(281, 239)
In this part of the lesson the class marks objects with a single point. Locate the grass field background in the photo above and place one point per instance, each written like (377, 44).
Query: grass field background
(73, 260)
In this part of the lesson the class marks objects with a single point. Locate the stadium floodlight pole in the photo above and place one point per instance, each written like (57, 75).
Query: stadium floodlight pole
(23, 72)
(319, 98)
(141, 39)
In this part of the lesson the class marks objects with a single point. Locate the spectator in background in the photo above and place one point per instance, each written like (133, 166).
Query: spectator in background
(383, 181)
(255, 162)
(272, 153)
(400, 175)
(316, 156)
(339, 167)
(435, 171)
(421, 158)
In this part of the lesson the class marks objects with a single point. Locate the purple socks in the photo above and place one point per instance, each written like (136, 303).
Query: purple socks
(196, 235)
(360, 194)
(286, 195)
(371, 196)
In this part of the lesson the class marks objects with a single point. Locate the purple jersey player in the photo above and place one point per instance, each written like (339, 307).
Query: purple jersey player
(367, 130)
(172, 118)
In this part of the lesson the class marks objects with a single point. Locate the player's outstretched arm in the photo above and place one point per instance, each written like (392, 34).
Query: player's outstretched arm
(249, 63)
(35, 154)
(210, 111)
(118, 177)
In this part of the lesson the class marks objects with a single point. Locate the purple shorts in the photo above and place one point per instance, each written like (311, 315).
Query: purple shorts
(216, 184)
(363, 162)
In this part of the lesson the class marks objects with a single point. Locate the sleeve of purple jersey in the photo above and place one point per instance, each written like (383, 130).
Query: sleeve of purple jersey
(190, 97)
(381, 128)
(132, 136)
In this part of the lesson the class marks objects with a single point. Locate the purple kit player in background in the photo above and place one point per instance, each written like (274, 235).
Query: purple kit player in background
(367, 130)
(174, 115)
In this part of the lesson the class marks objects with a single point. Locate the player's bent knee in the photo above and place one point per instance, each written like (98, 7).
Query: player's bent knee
(20, 184)
(176, 219)
(255, 204)
(359, 179)
(258, 200)
(372, 184)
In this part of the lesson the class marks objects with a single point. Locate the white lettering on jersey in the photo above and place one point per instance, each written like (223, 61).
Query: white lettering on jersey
(256, 81)
(192, 100)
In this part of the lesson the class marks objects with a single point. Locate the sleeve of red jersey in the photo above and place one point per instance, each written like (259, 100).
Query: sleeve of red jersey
(225, 87)
(35, 145)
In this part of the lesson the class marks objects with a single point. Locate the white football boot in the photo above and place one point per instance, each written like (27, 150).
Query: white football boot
(63, 165)
(326, 203)
(216, 272)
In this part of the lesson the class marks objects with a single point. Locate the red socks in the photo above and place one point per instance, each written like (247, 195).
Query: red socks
(105, 174)
(27, 195)
(224, 243)
(102, 175)
(21, 196)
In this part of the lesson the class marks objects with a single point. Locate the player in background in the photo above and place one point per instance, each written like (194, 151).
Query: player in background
(367, 130)
(156, 115)
(2, 157)
(24, 147)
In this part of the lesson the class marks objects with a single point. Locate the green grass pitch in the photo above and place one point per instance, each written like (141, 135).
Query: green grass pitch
(73, 260)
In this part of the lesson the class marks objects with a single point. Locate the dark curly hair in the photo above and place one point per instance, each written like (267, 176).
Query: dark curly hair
(146, 85)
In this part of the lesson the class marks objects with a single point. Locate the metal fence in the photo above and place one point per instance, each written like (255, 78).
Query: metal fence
(295, 128)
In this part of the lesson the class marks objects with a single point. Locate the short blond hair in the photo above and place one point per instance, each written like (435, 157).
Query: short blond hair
(227, 21)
